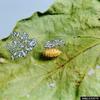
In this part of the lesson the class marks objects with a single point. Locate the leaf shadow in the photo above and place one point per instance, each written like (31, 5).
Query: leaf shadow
(41, 57)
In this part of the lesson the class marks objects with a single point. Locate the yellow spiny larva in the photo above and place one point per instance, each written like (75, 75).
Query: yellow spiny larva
(51, 52)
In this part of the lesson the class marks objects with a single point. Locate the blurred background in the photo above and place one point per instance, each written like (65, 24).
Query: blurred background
(13, 10)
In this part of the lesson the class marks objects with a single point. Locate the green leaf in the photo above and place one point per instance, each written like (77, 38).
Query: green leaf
(69, 76)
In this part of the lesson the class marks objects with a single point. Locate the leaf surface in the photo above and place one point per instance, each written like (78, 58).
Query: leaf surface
(66, 77)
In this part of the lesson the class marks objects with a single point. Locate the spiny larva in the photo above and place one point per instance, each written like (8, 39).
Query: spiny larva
(51, 52)
(50, 48)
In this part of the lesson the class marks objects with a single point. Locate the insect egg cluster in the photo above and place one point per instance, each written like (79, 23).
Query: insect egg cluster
(54, 43)
(20, 45)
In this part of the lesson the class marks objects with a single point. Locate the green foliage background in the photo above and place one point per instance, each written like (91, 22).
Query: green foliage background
(77, 22)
